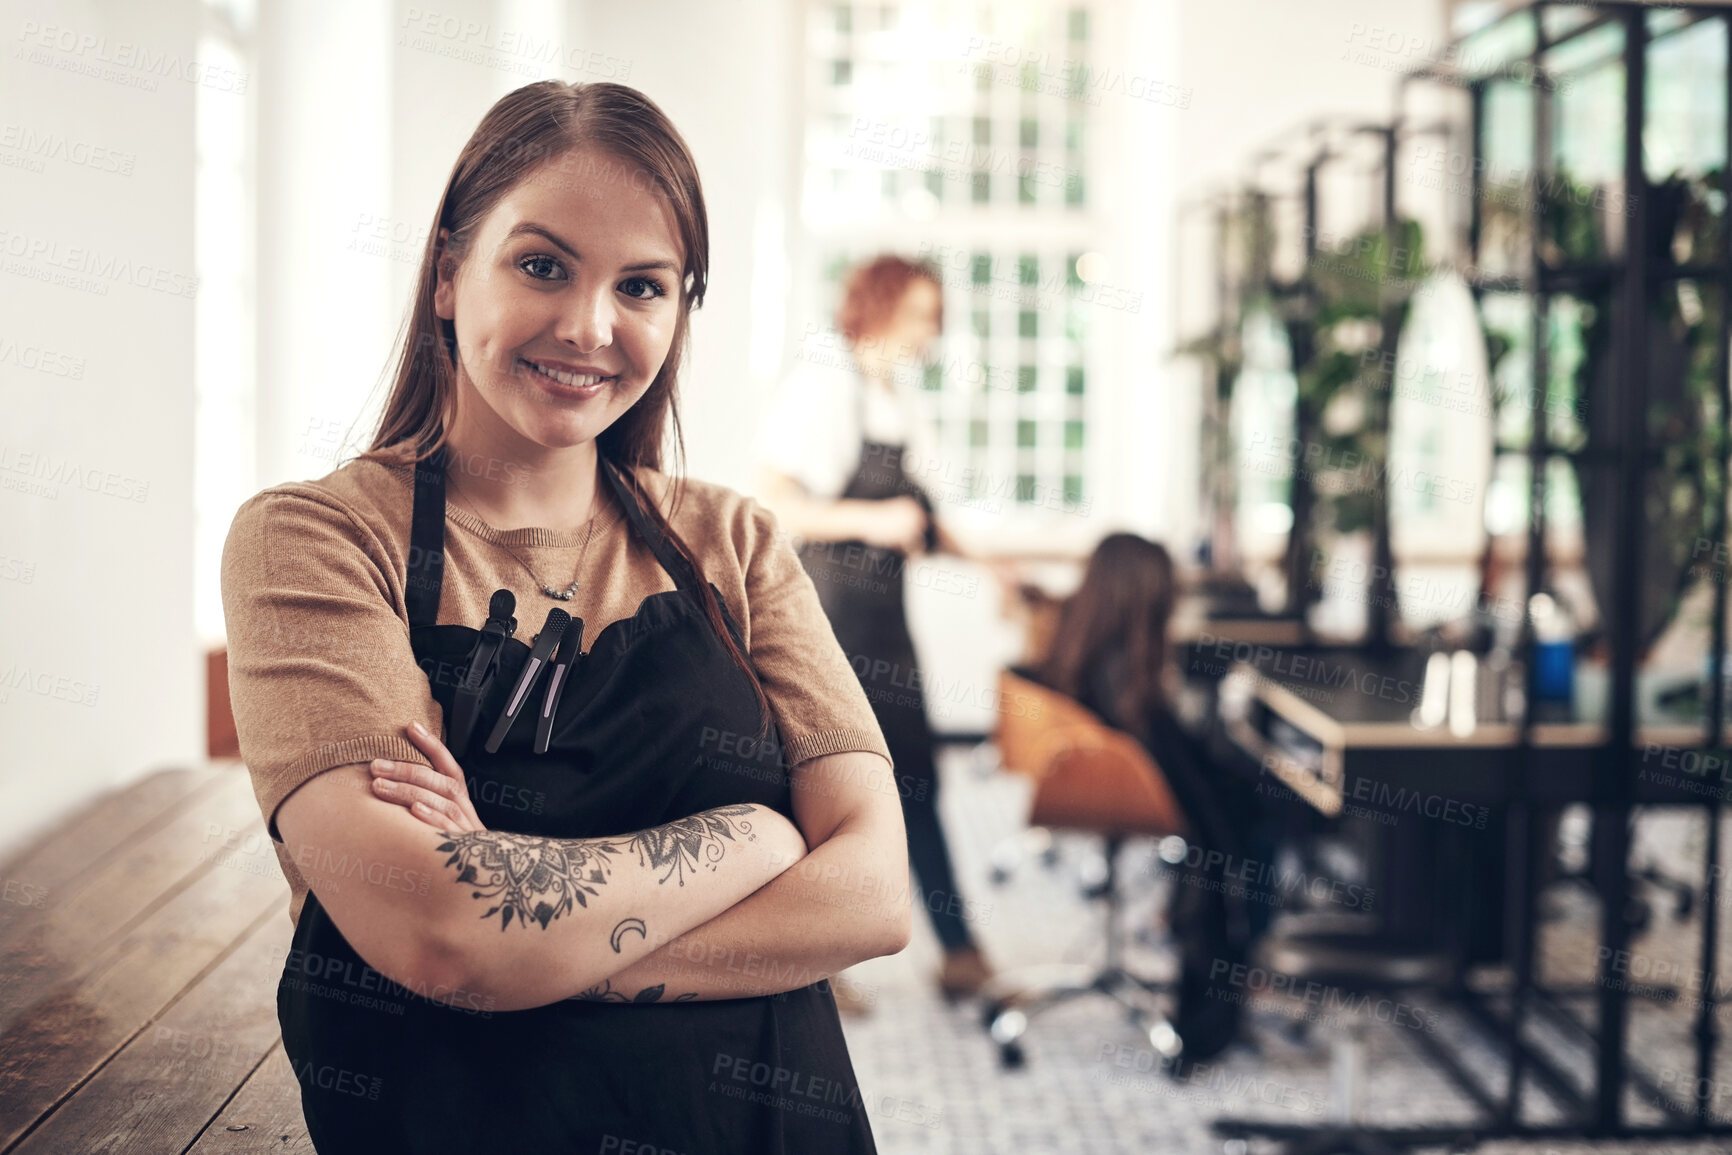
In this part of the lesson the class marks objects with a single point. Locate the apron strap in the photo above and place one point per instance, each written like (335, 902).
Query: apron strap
(671, 560)
(427, 541)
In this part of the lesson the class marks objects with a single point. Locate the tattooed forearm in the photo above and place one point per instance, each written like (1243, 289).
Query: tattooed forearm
(691, 842)
(604, 993)
(529, 878)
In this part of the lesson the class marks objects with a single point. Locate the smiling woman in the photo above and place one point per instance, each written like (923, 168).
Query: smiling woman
(562, 970)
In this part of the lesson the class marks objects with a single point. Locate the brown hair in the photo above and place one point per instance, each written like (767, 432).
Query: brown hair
(1117, 620)
(525, 129)
(873, 290)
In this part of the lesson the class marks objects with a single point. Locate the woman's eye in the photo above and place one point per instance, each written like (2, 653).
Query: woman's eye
(541, 267)
(644, 289)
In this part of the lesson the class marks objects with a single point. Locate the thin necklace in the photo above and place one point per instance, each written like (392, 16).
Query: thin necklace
(563, 595)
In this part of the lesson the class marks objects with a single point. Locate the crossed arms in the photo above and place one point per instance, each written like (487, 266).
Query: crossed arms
(663, 914)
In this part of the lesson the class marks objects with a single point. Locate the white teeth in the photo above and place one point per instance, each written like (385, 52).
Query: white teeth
(564, 378)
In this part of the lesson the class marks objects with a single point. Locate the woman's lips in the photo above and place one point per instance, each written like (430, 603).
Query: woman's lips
(566, 384)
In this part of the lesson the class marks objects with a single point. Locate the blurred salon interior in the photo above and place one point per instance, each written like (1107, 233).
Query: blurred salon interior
(1265, 461)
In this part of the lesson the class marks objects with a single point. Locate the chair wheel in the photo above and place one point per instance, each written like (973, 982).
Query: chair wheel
(1011, 1056)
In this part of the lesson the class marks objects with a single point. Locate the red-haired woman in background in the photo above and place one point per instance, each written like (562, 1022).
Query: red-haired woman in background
(833, 451)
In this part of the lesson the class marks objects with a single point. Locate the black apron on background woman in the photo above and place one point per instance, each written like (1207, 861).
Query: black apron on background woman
(861, 589)
(383, 1069)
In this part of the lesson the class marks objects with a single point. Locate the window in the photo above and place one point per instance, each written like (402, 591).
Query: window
(959, 136)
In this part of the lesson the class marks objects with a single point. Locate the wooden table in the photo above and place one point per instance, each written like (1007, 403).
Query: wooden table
(140, 946)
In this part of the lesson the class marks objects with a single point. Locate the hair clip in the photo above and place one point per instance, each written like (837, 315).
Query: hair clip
(570, 645)
(483, 664)
(551, 631)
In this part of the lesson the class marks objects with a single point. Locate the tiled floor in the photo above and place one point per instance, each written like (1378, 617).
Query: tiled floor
(934, 1085)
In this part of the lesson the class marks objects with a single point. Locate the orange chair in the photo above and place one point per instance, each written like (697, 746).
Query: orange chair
(1089, 777)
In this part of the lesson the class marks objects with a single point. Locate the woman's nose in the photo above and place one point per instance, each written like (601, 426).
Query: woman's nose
(587, 322)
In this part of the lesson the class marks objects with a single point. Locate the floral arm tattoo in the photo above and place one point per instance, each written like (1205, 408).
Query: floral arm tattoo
(531, 878)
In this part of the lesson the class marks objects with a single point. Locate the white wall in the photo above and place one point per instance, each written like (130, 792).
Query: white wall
(96, 402)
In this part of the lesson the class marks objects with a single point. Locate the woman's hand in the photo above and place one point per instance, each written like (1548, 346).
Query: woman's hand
(897, 523)
(438, 796)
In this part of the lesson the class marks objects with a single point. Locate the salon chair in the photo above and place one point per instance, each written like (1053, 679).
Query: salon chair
(1092, 778)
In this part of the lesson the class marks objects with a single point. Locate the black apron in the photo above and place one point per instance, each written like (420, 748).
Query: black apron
(384, 1069)
(861, 589)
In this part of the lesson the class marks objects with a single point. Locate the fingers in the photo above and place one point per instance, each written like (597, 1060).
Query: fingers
(444, 795)
(430, 745)
(434, 809)
(415, 774)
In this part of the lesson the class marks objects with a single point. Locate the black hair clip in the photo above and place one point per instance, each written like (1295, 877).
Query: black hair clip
(483, 664)
(551, 631)
(569, 646)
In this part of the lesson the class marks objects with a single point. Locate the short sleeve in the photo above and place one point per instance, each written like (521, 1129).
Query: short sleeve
(321, 672)
(819, 704)
(808, 433)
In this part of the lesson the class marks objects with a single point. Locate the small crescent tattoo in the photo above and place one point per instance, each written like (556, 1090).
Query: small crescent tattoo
(619, 931)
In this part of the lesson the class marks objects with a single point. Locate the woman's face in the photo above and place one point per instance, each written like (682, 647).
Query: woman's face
(913, 324)
(565, 303)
